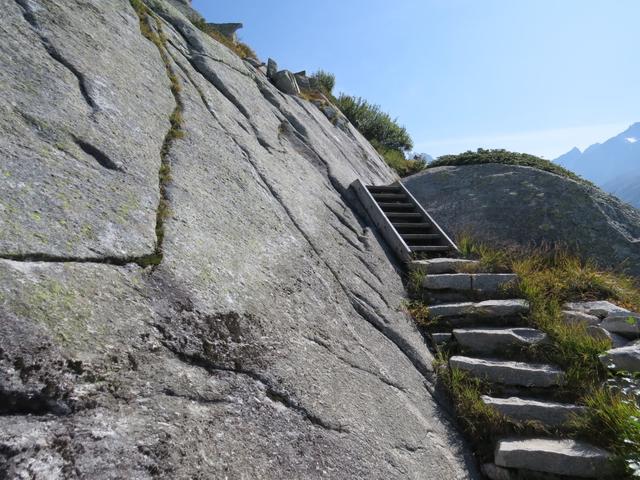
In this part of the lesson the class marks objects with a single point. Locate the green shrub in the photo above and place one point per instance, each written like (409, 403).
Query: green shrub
(326, 80)
(374, 124)
(505, 157)
(398, 161)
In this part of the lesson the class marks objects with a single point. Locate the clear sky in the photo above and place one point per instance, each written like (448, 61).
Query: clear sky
(538, 76)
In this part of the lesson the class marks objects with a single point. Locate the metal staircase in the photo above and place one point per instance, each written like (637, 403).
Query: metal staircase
(407, 227)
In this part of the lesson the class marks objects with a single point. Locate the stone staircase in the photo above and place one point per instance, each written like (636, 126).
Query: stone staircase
(481, 322)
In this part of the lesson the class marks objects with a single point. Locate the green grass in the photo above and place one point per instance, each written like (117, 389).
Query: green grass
(505, 157)
(613, 421)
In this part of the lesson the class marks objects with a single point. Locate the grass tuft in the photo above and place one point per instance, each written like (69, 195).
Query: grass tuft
(239, 48)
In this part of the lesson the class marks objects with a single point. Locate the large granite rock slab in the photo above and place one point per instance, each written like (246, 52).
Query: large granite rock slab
(559, 457)
(507, 205)
(268, 343)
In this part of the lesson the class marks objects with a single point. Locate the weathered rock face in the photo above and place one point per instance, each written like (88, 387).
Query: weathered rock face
(268, 343)
(510, 205)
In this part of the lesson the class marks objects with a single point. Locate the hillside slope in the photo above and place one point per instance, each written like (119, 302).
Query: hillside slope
(508, 204)
(187, 287)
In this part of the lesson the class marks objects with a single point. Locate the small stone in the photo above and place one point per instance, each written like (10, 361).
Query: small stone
(489, 340)
(572, 317)
(559, 457)
(627, 324)
(520, 409)
(624, 358)
(444, 265)
(599, 308)
(510, 373)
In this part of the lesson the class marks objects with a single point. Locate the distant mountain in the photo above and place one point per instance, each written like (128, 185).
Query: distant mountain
(614, 165)
(626, 188)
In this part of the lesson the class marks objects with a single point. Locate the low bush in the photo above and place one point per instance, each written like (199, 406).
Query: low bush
(505, 157)
(326, 80)
(239, 48)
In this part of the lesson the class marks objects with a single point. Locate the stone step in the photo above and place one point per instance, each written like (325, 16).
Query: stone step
(404, 215)
(554, 456)
(471, 282)
(490, 340)
(552, 414)
(411, 226)
(510, 373)
(440, 338)
(443, 265)
(383, 188)
(624, 358)
(487, 309)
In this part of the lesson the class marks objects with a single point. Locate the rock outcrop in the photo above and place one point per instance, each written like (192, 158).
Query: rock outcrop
(187, 287)
(507, 205)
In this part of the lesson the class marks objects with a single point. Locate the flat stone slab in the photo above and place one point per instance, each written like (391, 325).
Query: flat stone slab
(448, 281)
(510, 373)
(624, 358)
(482, 282)
(444, 265)
(488, 340)
(549, 413)
(490, 308)
(573, 317)
(627, 324)
(598, 308)
(558, 457)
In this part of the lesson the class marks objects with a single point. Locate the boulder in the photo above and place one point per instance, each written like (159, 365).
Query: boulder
(303, 82)
(272, 69)
(573, 317)
(558, 457)
(444, 265)
(600, 333)
(515, 205)
(227, 29)
(626, 324)
(624, 358)
(286, 82)
(599, 309)
(510, 373)
(520, 409)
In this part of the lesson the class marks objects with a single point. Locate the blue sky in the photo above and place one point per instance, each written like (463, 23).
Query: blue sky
(538, 76)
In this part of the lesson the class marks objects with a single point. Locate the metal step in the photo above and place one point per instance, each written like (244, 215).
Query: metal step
(390, 196)
(412, 226)
(396, 206)
(384, 189)
(420, 236)
(429, 248)
(403, 215)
